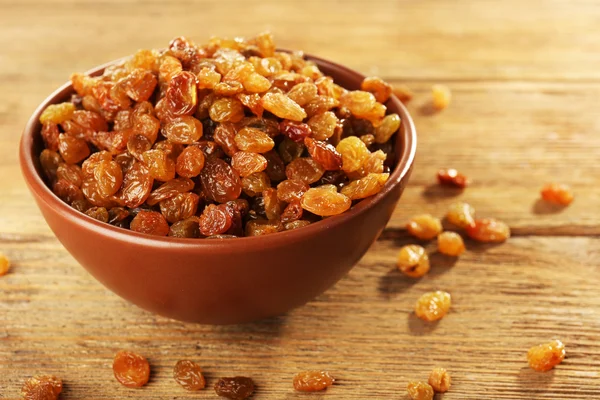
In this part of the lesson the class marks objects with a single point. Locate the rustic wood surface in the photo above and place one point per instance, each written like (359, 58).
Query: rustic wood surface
(525, 78)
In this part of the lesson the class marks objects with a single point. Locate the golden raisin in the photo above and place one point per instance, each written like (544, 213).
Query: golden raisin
(57, 113)
(370, 185)
(247, 163)
(325, 202)
(441, 96)
(354, 152)
(546, 356)
(451, 244)
(45, 387)
(557, 193)
(424, 226)
(151, 223)
(451, 177)
(413, 261)
(4, 264)
(312, 381)
(488, 230)
(433, 306)
(189, 375)
(283, 107)
(439, 379)
(304, 169)
(419, 391)
(131, 369)
(380, 89)
(253, 140)
(461, 215)
(389, 125)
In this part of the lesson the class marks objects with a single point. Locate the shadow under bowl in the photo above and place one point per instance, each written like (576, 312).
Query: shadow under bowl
(221, 281)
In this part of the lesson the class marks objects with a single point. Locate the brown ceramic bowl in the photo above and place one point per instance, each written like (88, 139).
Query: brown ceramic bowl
(221, 281)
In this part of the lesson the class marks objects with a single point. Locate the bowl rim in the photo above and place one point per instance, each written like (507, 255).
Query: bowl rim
(43, 192)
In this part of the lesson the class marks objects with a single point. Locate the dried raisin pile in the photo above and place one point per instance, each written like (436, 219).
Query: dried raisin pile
(546, 356)
(45, 387)
(131, 369)
(163, 142)
(312, 381)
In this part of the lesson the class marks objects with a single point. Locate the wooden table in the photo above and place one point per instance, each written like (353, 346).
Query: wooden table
(525, 77)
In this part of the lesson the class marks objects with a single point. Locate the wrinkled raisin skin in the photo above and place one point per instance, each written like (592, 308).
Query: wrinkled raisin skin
(131, 369)
(188, 375)
(237, 388)
(312, 381)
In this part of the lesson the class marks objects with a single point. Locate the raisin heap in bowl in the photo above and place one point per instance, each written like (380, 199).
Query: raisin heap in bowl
(228, 139)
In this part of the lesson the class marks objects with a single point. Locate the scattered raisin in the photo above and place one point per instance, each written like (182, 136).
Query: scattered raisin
(439, 380)
(441, 96)
(450, 244)
(45, 387)
(546, 356)
(424, 226)
(488, 230)
(451, 177)
(312, 381)
(557, 193)
(4, 264)
(433, 306)
(237, 388)
(131, 369)
(413, 261)
(189, 375)
(461, 215)
(420, 391)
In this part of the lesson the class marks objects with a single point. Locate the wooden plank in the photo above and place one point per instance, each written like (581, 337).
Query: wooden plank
(54, 318)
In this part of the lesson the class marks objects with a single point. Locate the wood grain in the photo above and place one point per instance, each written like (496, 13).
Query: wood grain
(525, 83)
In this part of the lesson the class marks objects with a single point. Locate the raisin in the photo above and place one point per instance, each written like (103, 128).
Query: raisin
(224, 136)
(488, 230)
(256, 183)
(557, 193)
(380, 89)
(50, 134)
(324, 154)
(190, 162)
(546, 356)
(188, 228)
(183, 49)
(179, 207)
(336, 178)
(370, 185)
(45, 387)
(208, 78)
(275, 166)
(433, 306)
(256, 83)
(215, 220)
(131, 369)
(291, 190)
(183, 130)
(441, 96)
(261, 227)
(451, 177)
(324, 202)
(246, 163)
(424, 226)
(253, 140)
(4, 264)
(319, 105)
(143, 59)
(304, 169)
(419, 391)
(109, 177)
(182, 95)
(159, 165)
(69, 172)
(267, 66)
(450, 244)
(327, 87)
(170, 189)
(273, 206)
(289, 150)
(403, 93)
(358, 102)
(228, 88)
(137, 145)
(439, 380)
(226, 110)
(67, 191)
(150, 222)
(84, 123)
(57, 113)
(291, 213)
(296, 224)
(461, 215)
(413, 261)
(188, 374)
(116, 215)
(136, 186)
(312, 381)
(354, 153)
(220, 182)
(389, 125)
(367, 139)
(98, 213)
(50, 160)
(282, 106)
(296, 131)
(323, 125)
(139, 84)
(303, 93)
(72, 149)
